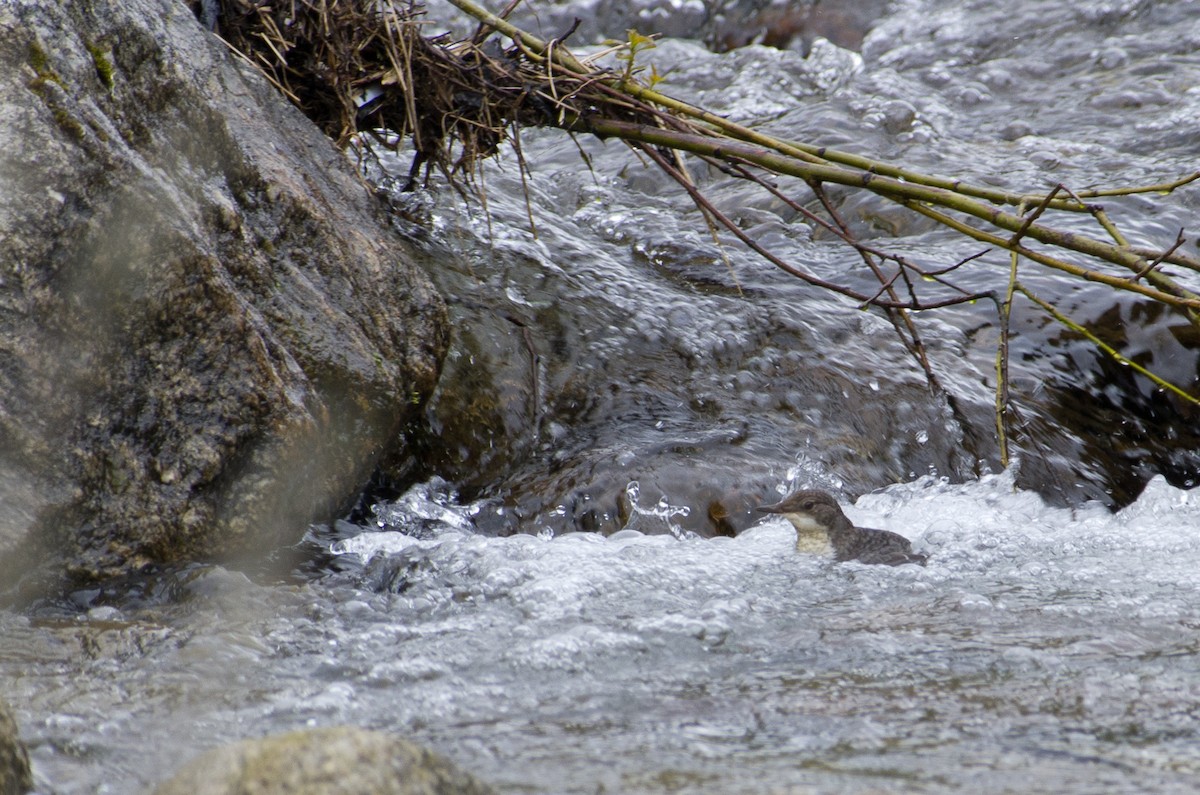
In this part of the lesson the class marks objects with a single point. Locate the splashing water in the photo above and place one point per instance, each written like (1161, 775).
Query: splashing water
(1037, 639)
(1043, 648)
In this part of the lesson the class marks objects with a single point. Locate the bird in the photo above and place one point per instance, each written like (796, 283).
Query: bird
(822, 528)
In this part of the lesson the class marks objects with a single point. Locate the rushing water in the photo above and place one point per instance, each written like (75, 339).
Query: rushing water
(648, 339)
(1044, 648)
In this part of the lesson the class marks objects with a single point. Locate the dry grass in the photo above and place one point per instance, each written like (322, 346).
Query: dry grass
(363, 66)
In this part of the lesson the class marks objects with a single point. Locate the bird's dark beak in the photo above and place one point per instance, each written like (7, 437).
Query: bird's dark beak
(768, 508)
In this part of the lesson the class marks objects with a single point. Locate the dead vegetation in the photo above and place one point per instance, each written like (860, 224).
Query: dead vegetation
(363, 68)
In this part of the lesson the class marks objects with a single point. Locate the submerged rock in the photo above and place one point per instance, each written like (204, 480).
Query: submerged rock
(662, 389)
(336, 761)
(208, 331)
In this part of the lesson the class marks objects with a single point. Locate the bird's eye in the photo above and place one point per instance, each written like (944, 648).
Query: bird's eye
(807, 505)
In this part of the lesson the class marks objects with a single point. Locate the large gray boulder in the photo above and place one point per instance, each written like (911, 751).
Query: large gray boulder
(208, 331)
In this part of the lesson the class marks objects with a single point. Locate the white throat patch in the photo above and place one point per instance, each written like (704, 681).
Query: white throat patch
(810, 536)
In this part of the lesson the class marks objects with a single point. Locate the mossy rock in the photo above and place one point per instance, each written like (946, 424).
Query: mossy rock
(334, 761)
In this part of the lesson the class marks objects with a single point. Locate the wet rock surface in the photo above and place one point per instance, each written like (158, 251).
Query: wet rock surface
(208, 332)
(576, 381)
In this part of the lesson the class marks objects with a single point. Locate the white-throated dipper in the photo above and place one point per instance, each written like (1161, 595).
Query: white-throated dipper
(821, 527)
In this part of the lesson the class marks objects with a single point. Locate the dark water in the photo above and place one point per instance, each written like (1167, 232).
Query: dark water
(1049, 646)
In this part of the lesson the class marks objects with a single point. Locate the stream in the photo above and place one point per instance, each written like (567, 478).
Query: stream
(1041, 649)
(557, 614)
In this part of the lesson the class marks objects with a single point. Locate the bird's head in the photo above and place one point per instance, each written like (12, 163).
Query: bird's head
(808, 510)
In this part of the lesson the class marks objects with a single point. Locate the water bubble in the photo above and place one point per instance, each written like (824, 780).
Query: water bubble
(974, 601)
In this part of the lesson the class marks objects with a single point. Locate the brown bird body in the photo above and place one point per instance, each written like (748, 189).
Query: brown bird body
(821, 527)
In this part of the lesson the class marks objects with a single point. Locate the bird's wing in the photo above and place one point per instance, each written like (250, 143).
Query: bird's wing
(880, 546)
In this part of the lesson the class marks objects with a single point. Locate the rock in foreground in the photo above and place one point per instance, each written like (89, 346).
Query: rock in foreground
(336, 761)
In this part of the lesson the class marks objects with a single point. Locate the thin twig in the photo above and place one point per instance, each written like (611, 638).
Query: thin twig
(1049, 309)
(1179, 241)
(1004, 316)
